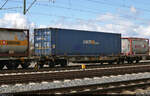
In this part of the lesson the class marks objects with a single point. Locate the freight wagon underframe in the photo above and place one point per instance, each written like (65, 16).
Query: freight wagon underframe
(14, 62)
(52, 61)
(64, 60)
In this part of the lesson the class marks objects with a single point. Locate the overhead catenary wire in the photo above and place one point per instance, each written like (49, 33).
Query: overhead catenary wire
(124, 6)
(126, 16)
(78, 18)
(71, 9)
(11, 8)
(93, 12)
(26, 10)
(86, 11)
(3, 4)
(98, 2)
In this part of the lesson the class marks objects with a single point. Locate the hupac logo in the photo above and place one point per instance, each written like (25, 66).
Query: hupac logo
(91, 42)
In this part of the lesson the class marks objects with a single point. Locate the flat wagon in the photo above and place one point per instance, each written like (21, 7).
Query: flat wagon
(58, 46)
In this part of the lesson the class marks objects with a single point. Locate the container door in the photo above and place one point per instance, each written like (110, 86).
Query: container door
(125, 46)
(42, 42)
(140, 46)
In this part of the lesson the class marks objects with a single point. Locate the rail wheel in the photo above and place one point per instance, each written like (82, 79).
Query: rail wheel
(101, 63)
(2, 66)
(137, 61)
(118, 62)
(25, 65)
(41, 65)
(129, 62)
(51, 64)
(122, 62)
(110, 62)
(63, 63)
(12, 65)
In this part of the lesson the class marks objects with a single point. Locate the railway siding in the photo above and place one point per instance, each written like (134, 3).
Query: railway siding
(71, 70)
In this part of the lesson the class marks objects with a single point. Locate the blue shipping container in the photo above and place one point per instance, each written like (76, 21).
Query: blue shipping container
(68, 42)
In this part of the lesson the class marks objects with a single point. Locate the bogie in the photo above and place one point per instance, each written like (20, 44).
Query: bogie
(2, 66)
(63, 63)
(51, 64)
(25, 65)
(12, 64)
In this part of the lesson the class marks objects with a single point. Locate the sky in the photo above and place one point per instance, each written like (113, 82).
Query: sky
(131, 18)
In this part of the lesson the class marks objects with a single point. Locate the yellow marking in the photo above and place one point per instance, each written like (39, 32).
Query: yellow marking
(25, 42)
(83, 66)
(22, 59)
(16, 38)
(36, 66)
(15, 42)
(92, 42)
(42, 48)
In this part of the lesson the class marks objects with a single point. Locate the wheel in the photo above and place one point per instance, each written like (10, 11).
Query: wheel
(131, 61)
(118, 62)
(1, 66)
(63, 63)
(51, 64)
(12, 65)
(41, 65)
(101, 63)
(137, 61)
(128, 61)
(110, 62)
(122, 61)
(25, 65)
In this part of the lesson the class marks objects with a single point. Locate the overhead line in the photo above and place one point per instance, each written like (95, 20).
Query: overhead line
(4, 4)
(87, 11)
(31, 5)
(125, 6)
(10, 8)
(24, 6)
(74, 9)
(101, 2)
(69, 17)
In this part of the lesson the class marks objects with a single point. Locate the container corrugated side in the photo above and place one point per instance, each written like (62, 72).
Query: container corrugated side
(86, 43)
(78, 42)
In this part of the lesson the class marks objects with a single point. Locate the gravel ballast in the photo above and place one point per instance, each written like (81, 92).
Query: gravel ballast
(70, 83)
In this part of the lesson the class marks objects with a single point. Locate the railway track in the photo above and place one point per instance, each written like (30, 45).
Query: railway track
(6, 71)
(126, 87)
(52, 76)
(108, 88)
